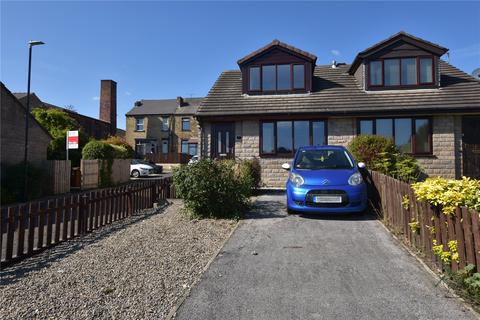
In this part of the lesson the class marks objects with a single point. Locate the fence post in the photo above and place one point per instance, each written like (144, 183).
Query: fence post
(153, 193)
(129, 200)
(82, 215)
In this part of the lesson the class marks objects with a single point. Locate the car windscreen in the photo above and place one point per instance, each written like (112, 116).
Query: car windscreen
(323, 159)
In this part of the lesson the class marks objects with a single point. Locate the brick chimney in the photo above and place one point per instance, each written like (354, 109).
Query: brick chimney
(108, 104)
(180, 102)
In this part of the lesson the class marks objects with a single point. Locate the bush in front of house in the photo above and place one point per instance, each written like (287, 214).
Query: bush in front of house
(249, 172)
(211, 189)
(97, 150)
(122, 149)
(380, 154)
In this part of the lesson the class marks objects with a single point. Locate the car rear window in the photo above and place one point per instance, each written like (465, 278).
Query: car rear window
(323, 159)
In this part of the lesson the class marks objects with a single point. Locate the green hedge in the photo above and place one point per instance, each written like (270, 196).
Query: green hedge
(381, 154)
(215, 189)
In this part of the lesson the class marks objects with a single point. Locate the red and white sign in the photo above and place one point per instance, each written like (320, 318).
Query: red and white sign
(72, 139)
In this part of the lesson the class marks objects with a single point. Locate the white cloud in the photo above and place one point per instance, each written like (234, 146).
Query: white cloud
(335, 52)
(128, 93)
(96, 98)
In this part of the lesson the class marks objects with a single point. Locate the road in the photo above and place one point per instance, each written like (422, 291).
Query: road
(316, 267)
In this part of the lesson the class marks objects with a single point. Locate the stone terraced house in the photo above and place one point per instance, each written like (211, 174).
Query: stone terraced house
(280, 99)
(164, 131)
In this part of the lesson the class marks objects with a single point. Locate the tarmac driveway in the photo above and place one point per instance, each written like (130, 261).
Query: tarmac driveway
(316, 267)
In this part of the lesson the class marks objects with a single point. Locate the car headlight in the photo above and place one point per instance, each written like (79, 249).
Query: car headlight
(355, 179)
(296, 179)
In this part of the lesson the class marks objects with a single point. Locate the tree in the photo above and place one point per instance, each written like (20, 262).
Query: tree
(57, 123)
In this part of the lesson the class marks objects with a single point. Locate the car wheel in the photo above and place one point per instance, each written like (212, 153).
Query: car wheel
(135, 173)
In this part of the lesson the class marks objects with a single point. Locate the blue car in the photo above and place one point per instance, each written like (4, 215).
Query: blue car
(325, 179)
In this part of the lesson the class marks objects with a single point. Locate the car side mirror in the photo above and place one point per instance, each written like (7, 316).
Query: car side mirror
(286, 166)
(361, 165)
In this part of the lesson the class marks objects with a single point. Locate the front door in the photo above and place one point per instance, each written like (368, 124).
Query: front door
(471, 146)
(223, 140)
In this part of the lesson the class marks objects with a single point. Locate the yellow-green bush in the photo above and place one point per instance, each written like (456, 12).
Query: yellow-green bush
(449, 194)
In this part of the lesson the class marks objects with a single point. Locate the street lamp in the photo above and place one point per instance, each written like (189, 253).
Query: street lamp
(31, 43)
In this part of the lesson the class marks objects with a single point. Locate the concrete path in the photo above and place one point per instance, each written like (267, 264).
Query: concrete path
(316, 267)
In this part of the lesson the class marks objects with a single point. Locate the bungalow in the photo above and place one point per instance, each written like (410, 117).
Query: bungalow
(279, 100)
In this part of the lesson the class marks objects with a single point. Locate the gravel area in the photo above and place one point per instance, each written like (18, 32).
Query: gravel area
(134, 269)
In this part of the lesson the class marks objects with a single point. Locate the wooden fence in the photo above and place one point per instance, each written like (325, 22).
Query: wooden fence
(60, 172)
(387, 196)
(90, 172)
(29, 228)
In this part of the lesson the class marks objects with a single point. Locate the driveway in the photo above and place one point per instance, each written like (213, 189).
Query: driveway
(316, 267)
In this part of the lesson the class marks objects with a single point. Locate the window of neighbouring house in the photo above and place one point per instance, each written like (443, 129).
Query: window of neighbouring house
(281, 78)
(412, 71)
(184, 147)
(139, 124)
(185, 124)
(192, 149)
(411, 135)
(165, 123)
(285, 137)
(164, 146)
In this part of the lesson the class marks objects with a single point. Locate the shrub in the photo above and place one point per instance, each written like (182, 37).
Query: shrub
(381, 154)
(122, 149)
(98, 150)
(249, 173)
(448, 193)
(211, 189)
(468, 279)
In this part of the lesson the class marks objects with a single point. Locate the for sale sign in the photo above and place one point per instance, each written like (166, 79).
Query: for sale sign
(72, 139)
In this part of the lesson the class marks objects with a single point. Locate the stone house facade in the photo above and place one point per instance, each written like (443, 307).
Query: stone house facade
(400, 88)
(165, 131)
(13, 132)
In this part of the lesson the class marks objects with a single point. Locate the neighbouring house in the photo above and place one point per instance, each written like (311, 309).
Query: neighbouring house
(12, 138)
(96, 128)
(279, 100)
(164, 131)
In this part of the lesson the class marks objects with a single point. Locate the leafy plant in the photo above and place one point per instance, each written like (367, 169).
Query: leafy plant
(446, 256)
(381, 154)
(98, 150)
(469, 279)
(414, 226)
(406, 202)
(211, 189)
(449, 194)
(122, 149)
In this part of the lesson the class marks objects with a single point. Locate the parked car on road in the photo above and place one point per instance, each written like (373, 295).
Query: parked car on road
(325, 179)
(140, 168)
(193, 159)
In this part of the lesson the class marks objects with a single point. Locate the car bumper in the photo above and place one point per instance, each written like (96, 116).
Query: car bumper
(354, 198)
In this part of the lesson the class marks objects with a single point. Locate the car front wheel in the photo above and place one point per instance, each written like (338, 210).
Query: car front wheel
(135, 173)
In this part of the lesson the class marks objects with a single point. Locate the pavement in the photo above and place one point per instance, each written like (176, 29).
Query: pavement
(316, 267)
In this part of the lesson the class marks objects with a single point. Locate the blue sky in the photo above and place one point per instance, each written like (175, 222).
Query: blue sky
(160, 50)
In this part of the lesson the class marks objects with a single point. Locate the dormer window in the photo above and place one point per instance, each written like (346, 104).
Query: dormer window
(281, 78)
(277, 68)
(401, 72)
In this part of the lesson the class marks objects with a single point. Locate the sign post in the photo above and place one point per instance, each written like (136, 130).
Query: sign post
(72, 140)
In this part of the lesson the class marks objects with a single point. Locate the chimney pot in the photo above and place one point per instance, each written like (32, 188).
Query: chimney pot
(180, 101)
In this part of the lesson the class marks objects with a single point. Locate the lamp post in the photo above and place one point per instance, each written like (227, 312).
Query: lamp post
(27, 114)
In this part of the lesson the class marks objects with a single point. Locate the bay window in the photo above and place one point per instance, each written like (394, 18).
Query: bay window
(398, 72)
(276, 78)
(286, 136)
(411, 135)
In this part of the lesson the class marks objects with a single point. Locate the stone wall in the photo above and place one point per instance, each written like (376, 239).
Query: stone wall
(446, 138)
(341, 131)
(13, 133)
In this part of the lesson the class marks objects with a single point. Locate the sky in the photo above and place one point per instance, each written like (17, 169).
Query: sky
(160, 50)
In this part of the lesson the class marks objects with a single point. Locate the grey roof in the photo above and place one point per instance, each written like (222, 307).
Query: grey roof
(335, 92)
(165, 107)
(278, 43)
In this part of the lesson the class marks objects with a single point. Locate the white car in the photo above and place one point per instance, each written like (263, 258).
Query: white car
(193, 159)
(140, 168)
